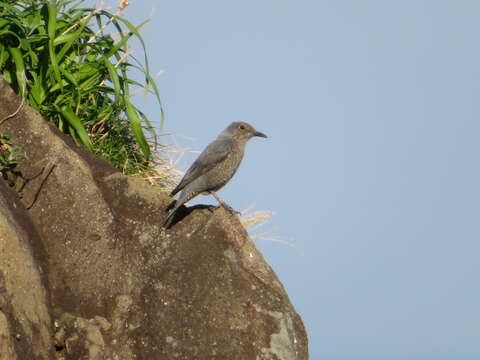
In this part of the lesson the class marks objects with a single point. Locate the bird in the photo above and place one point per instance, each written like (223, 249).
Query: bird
(214, 167)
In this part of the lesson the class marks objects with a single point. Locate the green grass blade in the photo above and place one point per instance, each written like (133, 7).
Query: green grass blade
(112, 72)
(137, 128)
(51, 29)
(19, 70)
(37, 91)
(75, 122)
(134, 29)
(154, 86)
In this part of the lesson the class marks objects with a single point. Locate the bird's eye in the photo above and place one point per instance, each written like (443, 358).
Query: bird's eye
(242, 127)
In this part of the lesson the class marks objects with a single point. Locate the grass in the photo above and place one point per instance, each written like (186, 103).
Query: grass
(74, 66)
(253, 220)
(10, 155)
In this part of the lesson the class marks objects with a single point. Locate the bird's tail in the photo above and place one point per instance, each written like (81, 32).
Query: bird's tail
(168, 220)
(175, 205)
(171, 205)
(172, 208)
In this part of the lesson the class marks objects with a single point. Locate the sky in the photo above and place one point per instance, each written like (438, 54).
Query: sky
(371, 166)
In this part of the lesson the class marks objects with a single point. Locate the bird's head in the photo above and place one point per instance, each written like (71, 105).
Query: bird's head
(242, 131)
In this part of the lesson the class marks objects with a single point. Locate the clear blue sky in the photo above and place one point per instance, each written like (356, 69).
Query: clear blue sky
(372, 162)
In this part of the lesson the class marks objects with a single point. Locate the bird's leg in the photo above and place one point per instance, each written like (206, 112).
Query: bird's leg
(222, 203)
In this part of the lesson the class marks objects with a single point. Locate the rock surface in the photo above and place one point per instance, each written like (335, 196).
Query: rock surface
(87, 271)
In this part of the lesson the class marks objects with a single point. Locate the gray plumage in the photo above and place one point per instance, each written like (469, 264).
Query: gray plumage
(215, 166)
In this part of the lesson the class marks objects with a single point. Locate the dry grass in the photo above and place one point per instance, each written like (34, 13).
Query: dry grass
(253, 220)
(166, 172)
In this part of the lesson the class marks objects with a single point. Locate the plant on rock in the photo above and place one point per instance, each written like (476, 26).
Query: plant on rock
(63, 61)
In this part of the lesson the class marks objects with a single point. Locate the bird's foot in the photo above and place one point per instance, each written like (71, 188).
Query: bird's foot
(212, 208)
(224, 205)
(230, 209)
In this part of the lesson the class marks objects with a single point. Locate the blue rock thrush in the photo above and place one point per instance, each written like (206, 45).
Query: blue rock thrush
(214, 167)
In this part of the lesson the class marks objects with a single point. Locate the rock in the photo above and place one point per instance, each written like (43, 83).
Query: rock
(121, 286)
(25, 320)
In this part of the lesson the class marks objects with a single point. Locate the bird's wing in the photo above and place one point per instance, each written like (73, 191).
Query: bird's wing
(213, 154)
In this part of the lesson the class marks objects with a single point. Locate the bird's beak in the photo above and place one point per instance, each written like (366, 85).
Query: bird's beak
(258, 133)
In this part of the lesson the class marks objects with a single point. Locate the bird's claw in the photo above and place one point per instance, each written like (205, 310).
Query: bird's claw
(231, 210)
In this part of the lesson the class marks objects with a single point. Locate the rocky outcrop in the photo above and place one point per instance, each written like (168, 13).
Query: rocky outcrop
(88, 272)
(25, 321)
